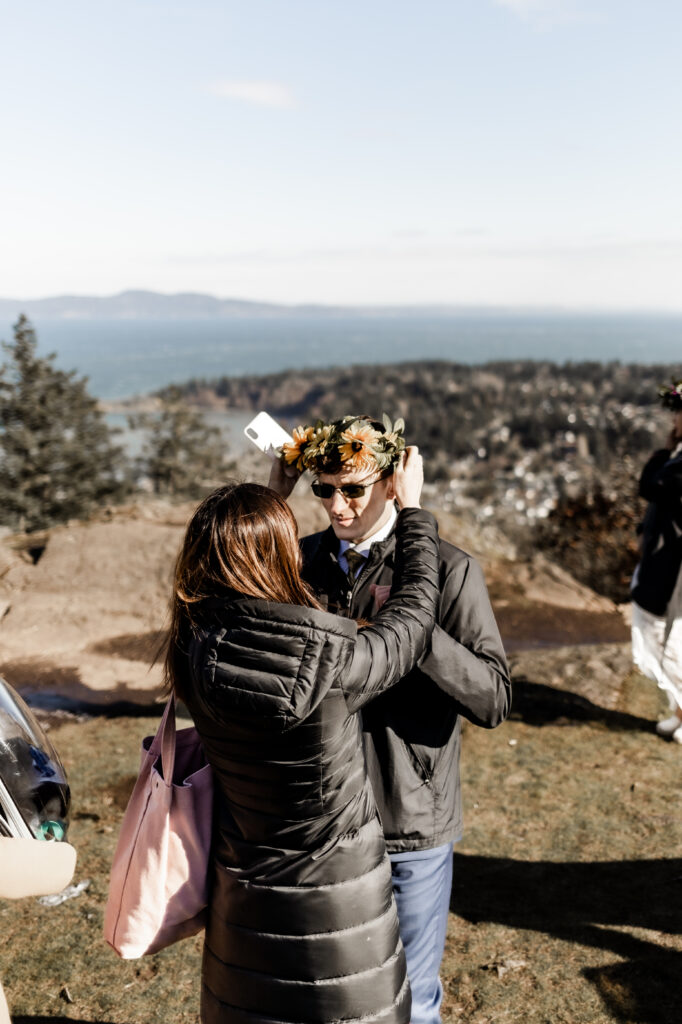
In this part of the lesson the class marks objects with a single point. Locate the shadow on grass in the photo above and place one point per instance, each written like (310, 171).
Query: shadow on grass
(50, 687)
(588, 904)
(142, 647)
(55, 702)
(52, 1020)
(532, 626)
(539, 704)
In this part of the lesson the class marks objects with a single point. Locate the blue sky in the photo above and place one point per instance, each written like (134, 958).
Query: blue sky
(517, 152)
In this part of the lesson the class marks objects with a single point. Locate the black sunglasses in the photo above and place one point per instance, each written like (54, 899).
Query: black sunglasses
(349, 491)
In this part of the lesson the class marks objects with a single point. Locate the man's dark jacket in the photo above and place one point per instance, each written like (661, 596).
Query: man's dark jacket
(412, 732)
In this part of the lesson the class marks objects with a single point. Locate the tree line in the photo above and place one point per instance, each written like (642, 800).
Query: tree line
(587, 426)
(60, 460)
(454, 409)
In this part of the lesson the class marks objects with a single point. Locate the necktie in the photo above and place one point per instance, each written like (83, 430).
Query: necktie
(354, 559)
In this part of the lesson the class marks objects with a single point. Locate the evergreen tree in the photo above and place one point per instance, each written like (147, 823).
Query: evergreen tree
(57, 458)
(182, 456)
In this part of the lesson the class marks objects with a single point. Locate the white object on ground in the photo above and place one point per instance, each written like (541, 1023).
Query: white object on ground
(65, 894)
(34, 867)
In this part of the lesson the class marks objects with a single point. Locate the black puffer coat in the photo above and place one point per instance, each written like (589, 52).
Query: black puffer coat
(654, 581)
(302, 925)
(413, 732)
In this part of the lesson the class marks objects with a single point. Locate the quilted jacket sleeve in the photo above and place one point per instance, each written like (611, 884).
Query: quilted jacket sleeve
(466, 658)
(388, 648)
(661, 478)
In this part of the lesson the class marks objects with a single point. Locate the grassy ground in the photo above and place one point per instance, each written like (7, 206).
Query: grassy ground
(567, 886)
(567, 894)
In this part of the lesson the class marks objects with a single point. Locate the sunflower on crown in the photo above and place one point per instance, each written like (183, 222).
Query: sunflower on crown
(670, 395)
(352, 442)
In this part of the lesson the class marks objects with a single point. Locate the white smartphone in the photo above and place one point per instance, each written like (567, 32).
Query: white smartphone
(266, 433)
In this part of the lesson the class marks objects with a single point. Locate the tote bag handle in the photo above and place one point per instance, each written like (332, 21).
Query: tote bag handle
(163, 744)
(159, 875)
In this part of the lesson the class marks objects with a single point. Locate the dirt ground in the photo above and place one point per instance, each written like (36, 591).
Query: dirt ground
(85, 621)
(568, 883)
(82, 617)
(566, 896)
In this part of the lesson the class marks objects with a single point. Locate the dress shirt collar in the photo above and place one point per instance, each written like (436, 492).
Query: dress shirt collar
(363, 546)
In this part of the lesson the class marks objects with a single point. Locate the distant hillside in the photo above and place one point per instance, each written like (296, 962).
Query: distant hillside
(136, 305)
(146, 305)
(107, 582)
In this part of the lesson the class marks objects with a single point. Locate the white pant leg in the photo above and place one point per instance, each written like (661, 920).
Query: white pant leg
(663, 666)
(4, 1009)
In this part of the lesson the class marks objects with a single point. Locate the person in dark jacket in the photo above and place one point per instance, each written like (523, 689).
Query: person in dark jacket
(412, 732)
(302, 926)
(657, 582)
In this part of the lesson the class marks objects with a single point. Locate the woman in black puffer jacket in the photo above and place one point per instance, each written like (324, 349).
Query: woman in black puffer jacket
(302, 925)
(657, 583)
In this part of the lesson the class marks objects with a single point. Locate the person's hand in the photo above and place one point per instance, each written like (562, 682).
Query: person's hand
(282, 477)
(408, 478)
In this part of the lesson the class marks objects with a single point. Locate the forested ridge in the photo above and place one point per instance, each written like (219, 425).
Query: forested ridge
(549, 452)
(452, 409)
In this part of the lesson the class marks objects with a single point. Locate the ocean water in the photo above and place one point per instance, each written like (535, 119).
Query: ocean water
(230, 423)
(123, 358)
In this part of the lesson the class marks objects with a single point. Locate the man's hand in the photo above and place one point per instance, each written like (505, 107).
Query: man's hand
(283, 477)
(408, 478)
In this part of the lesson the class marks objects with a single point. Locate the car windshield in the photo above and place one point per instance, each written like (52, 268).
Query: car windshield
(34, 793)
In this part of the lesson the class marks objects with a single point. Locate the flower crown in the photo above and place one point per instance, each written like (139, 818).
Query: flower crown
(353, 442)
(670, 395)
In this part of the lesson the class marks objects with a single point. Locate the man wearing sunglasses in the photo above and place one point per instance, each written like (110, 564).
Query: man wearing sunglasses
(358, 504)
(412, 732)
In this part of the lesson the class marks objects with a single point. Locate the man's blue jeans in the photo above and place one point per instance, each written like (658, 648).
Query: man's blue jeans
(422, 880)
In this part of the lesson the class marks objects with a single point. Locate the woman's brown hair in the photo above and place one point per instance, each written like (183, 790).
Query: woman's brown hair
(242, 538)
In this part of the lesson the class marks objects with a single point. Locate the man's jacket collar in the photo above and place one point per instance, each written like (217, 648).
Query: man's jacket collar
(380, 551)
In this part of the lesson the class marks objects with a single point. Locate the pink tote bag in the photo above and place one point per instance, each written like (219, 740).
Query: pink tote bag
(159, 874)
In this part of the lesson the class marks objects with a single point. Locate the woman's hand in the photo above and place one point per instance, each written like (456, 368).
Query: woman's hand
(408, 478)
(282, 477)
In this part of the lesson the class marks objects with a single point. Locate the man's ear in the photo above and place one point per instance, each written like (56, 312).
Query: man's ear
(390, 490)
